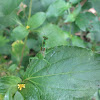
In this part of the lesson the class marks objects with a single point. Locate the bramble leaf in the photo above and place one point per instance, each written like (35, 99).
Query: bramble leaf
(66, 73)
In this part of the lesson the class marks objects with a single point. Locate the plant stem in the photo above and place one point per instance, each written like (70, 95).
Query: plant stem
(25, 37)
(30, 9)
(70, 24)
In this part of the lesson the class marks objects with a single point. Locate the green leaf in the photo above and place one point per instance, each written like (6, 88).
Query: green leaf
(8, 15)
(83, 98)
(55, 36)
(38, 5)
(18, 96)
(83, 20)
(19, 33)
(72, 16)
(96, 5)
(1, 97)
(8, 7)
(76, 41)
(8, 85)
(74, 1)
(8, 20)
(65, 74)
(46, 4)
(13, 68)
(30, 92)
(3, 40)
(36, 20)
(6, 49)
(34, 44)
(8, 95)
(95, 31)
(87, 6)
(17, 48)
(77, 10)
(57, 8)
(71, 27)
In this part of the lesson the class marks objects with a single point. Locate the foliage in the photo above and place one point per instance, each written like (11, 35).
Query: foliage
(49, 50)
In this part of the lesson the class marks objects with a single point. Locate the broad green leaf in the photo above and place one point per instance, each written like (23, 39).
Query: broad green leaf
(3, 40)
(8, 7)
(83, 20)
(55, 36)
(19, 33)
(74, 1)
(8, 85)
(65, 74)
(18, 96)
(57, 8)
(36, 20)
